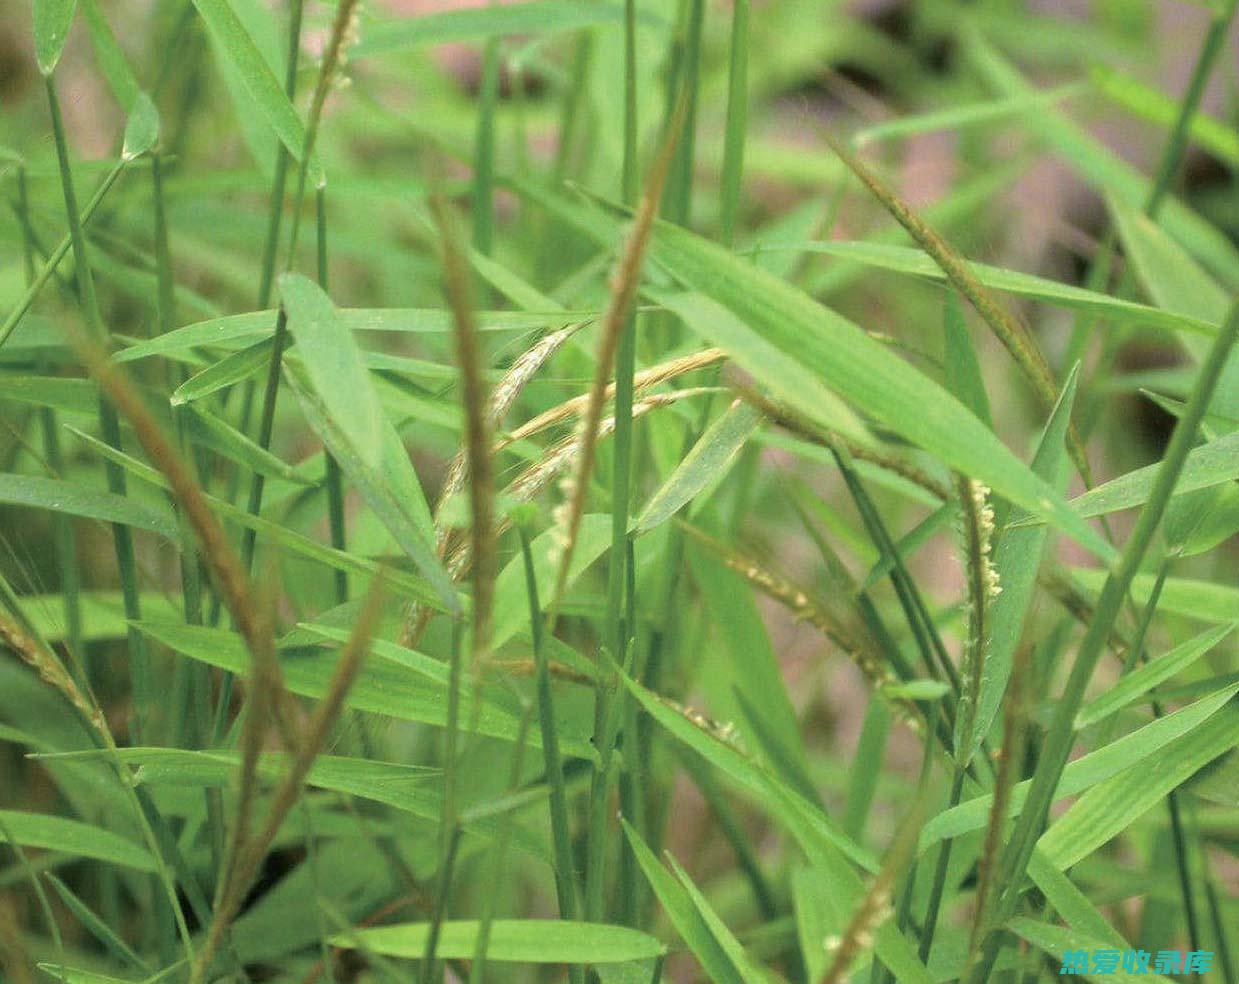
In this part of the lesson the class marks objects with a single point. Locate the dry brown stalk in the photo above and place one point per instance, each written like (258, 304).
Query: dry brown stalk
(1009, 329)
(623, 292)
(477, 431)
(249, 856)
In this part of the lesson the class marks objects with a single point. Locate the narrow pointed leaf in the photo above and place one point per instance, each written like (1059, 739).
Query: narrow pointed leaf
(749, 312)
(75, 499)
(1108, 809)
(703, 467)
(510, 941)
(334, 365)
(1153, 673)
(266, 93)
(73, 837)
(684, 916)
(1017, 561)
(142, 128)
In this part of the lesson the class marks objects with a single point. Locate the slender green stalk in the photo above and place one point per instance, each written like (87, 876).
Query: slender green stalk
(937, 662)
(334, 476)
(498, 853)
(938, 886)
(449, 821)
(484, 152)
(271, 245)
(737, 122)
(65, 538)
(630, 173)
(561, 836)
(618, 627)
(122, 536)
(680, 180)
(1136, 651)
(49, 267)
(1221, 932)
(1176, 144)
(429, 969)
(342, 31)
(1058, 739)
(1183, 870)
(572, 107)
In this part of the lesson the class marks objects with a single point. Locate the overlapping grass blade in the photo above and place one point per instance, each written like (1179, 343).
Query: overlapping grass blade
(511, 941)
(55, 833)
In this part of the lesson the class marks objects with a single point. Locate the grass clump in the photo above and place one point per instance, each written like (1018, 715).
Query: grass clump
(466, 475)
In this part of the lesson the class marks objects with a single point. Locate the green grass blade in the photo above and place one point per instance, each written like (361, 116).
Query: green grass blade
(736, 130)
(1109, 808)
(511, 941)
(766, 326)
(684, 914)
(915, 263)
(334, 366)
(383, 687)
(1017, 561)
(390, 487)
(1056, 941)
(703, 468)
(111, 58)
(268, 99)
(1140, 746)
(72, 499)
(73, 837)
(533, 17)
(52, 20)
(1155, 672)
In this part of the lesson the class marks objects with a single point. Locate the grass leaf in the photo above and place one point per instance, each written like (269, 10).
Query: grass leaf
(1150, 675)
(73, 837)
(266, 94)
(511, 941)
(52, 20)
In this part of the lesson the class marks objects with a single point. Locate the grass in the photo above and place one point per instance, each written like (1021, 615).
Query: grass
(553, 492)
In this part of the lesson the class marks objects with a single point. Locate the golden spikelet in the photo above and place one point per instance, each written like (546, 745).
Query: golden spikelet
(556, 460)
(50, 669)
(641, 381)
(502, 397)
